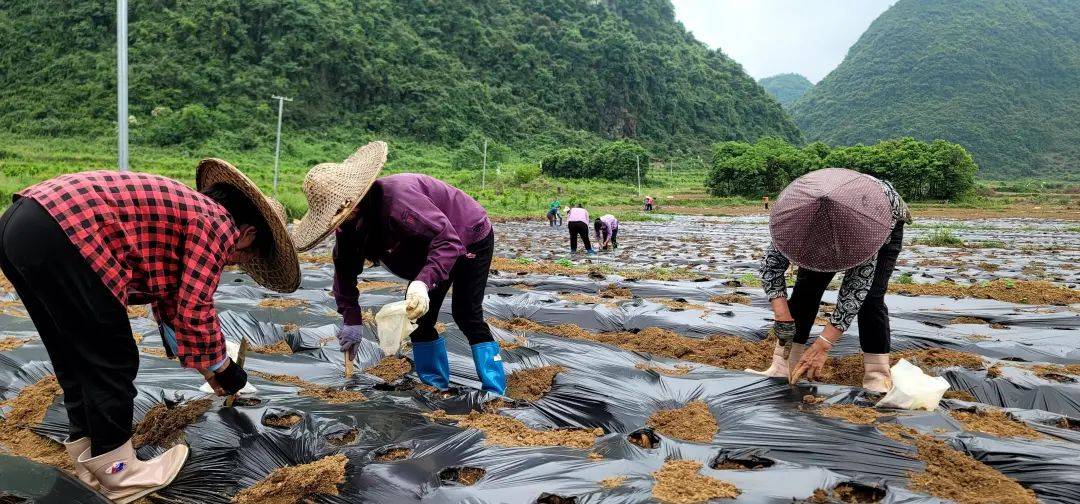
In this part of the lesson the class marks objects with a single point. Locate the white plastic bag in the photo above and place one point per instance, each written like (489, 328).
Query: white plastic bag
(393, 325)
(233, 351)
(913, 389)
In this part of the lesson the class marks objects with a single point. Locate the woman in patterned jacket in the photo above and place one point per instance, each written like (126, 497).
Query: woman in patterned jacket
(825, 222)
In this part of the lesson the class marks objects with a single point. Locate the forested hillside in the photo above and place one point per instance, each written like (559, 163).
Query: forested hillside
(1000, 77)
(537, 72)
(786, 87)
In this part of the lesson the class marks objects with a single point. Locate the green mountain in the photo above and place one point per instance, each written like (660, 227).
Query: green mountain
(786, 87)
(1000, 77)
(535, 72)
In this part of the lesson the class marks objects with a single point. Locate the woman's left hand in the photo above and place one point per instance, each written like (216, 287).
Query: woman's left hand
(813, 360)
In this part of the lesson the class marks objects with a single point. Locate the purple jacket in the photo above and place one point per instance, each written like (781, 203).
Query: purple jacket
(608, 226)
(415, 226)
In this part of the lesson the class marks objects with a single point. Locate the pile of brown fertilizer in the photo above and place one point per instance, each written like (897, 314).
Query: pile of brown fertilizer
(612, 482)
(1010, 291)
(953, 475)
(280, 303)
(138, 311)
(466, 476)
(996, 423)
(531, 384)
(280, 348)
(960, 395)
(282, 421)
(1056, 372)
(614, 292)
(326, 394)
(27, 410)
(505, 431)
(164, 426)
(10, 343)
(692, 422)
(677, 370)
(290, 485)
(369, 285)
(679, 482)
(392, 455)
(966, 320)
(850, 412)
(518, 342)
(677, 304)
(848, 370)
(731, 299)
(390, 369)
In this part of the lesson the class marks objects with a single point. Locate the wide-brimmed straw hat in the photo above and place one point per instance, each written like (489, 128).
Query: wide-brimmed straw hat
(280, 270)
(831, 220)
(333, 190)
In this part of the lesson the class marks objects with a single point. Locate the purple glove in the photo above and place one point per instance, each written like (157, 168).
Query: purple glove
(349, 337)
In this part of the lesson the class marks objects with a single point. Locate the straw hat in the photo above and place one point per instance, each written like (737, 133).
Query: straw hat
(831, 220)
(333, 190)
(281, 270)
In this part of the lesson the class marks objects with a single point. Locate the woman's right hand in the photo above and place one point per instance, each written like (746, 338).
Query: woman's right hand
(349, 337)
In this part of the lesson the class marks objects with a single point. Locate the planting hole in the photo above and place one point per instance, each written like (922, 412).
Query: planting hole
(395, 453)
(548, 498)
(461, 476)
(644, 438)
(282, 420)
(247, 401)
(858, 493)
(748, 463)
(346, 437)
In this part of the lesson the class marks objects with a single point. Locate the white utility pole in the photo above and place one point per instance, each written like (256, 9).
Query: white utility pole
(483, 176)
(637, 159)
(277, 146)
(121, 84)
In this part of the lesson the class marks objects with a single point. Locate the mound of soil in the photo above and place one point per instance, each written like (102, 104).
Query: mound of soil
(280, 303)
(996, 423)
(679, 482)
(731, 299)
(677, 370)
(282, 421)
(326, 394)
(967, 320)
(613, 482)
(344, 439)
(848, 370)
(392, 454)
(27, 410)
(847, 493)
(390, 369)
(953, 475)
(693, 422)
(961, 395)
(518, 342)
(812, 399)
(505, 431)
(138, 311)
(290, 327)
(531, 384)
(590, 299)
(678, 304)
(155, 351)
(280, 348)
(5, 284)
(290, 485)
(9, 343)
(614, 292)
(369, 285)
(164, 426)
(850, 412)
(1010, 291)
(1056, 372)
(644, 438)
(466, 476)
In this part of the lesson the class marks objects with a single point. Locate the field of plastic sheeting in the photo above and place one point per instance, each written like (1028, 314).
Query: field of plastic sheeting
(626, 385)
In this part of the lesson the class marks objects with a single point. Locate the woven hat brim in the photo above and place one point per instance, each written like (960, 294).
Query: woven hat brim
(280, 271)
(353, 179)
(831, 220)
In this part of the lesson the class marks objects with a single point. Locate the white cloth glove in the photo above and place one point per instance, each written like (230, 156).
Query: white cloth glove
(416, 300)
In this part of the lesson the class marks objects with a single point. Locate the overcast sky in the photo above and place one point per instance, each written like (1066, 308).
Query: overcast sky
(769, 37)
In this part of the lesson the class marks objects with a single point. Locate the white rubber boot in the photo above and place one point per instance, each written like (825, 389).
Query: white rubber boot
(876, 374)
(779, 365)
(74, 449)
(124, 478)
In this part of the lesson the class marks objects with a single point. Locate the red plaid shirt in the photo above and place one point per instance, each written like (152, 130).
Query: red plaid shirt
(152, 240)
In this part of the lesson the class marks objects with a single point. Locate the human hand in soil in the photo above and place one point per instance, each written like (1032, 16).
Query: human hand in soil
(813, 360)
(227, 380)
(349, 337)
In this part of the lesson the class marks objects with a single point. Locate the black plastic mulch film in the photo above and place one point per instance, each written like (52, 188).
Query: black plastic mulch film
(602, 386)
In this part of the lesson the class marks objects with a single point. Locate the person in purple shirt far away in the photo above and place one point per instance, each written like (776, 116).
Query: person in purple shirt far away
(420, 229)
(577, 222)
(607, 232)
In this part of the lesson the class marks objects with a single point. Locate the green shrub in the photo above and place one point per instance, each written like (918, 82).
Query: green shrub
(905, 279)
(525, 174)
(190, 126)
(941, 237)
(761, 169)
(616, 160)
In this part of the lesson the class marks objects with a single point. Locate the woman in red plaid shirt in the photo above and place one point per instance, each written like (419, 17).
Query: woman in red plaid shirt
(80, 247)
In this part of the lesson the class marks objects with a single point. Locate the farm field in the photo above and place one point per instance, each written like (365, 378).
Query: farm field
(617, 365)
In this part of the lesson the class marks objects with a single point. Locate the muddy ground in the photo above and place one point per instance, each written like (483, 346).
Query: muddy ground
(626, 381)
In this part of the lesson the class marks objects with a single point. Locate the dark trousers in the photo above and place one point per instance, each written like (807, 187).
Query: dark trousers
(874, 334)
(601, 236)
(469, 278)
(84, 327)
(553, 216)
(579, 229)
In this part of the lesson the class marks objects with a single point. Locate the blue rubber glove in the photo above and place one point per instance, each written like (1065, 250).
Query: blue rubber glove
(349, 337)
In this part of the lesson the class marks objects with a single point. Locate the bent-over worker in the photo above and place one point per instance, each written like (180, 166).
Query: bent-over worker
(420, 229)
(577, 222)
(607, 232)
(80, 247)
(828, 221)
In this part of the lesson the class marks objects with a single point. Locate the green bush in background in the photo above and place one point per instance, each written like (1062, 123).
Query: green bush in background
(616, 160)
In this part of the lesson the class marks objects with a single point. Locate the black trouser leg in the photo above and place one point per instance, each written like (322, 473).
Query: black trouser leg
(470, 279)
(615, 239)
(806, 300)
(578, 229)
(84, 327)
(875, 335)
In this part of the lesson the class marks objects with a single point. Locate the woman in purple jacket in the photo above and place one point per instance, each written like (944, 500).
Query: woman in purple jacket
(420, 229)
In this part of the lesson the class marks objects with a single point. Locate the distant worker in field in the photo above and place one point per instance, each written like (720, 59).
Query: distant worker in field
(553, 213)
(649, 202)
(828, 221)
(607, 232)
(766, 201)
(81, 247)
(577, 222)
(420, 229)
